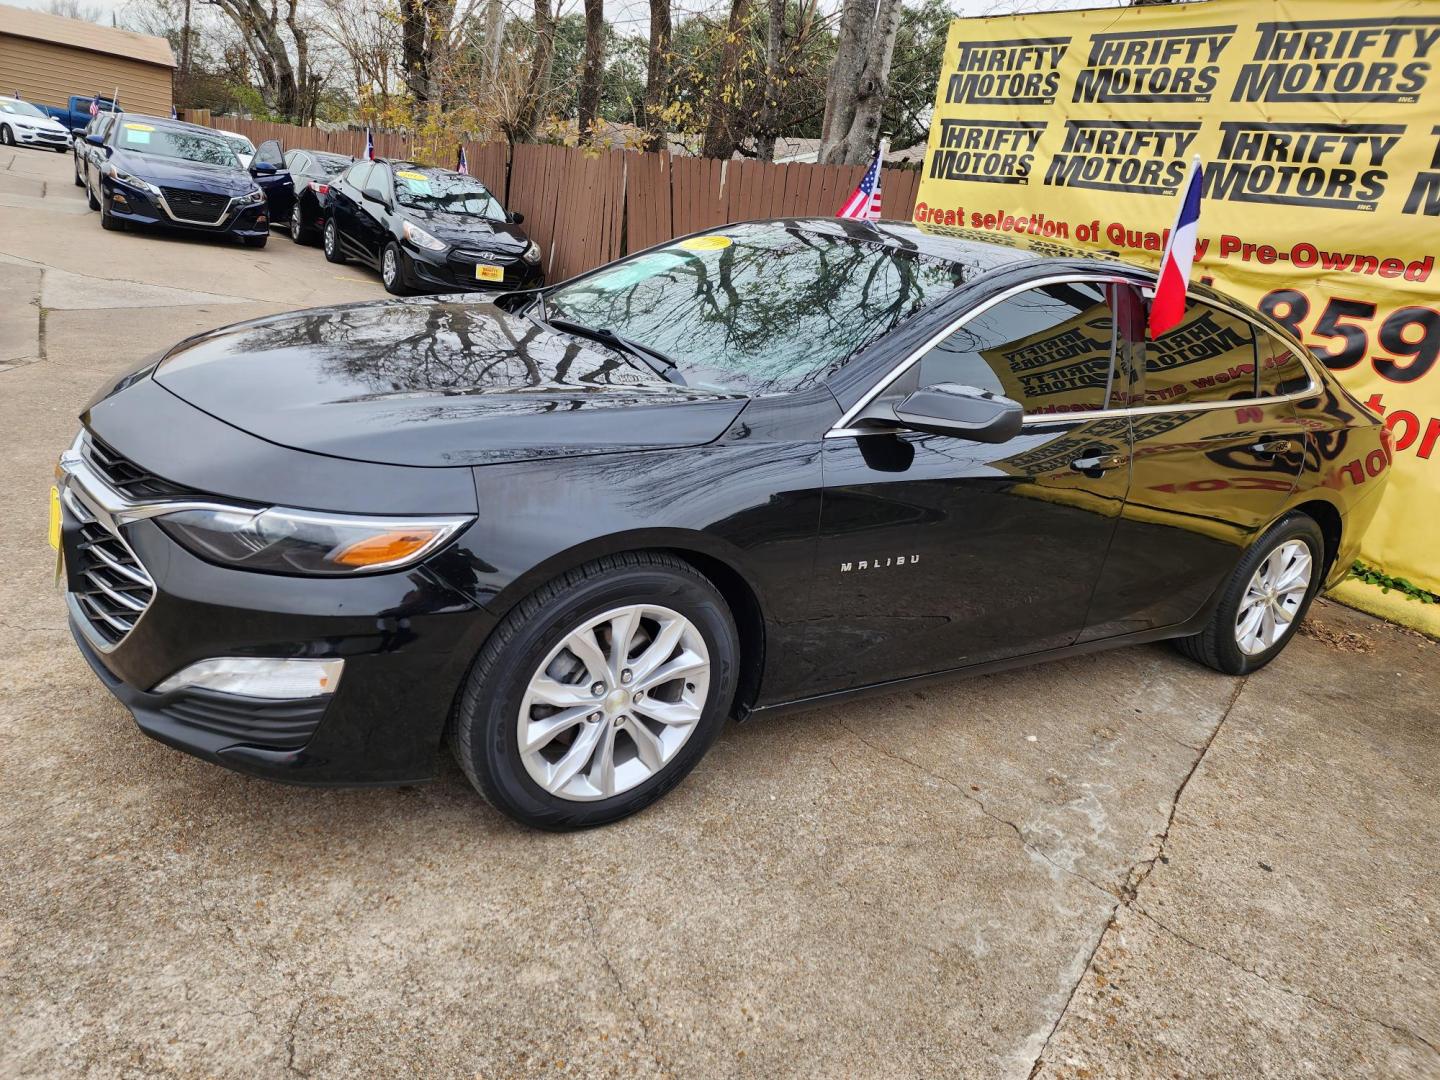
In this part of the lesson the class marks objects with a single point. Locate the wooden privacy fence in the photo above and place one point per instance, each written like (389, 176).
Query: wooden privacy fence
(585, 208)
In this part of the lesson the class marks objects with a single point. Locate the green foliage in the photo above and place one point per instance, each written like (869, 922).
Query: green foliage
(1371, 576)
(919, 52)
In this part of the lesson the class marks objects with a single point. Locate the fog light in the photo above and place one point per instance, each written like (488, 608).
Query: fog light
(258, 677)
(118, 197)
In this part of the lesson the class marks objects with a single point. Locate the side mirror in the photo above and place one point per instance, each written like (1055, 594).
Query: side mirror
(373, 194)
(964, 412)
(95, 140)
(515, 218)
(262, 168)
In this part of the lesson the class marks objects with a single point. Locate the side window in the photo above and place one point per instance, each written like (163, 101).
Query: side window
(1210, 356)
(359, 175)
(1051, 348)
(1281, 371)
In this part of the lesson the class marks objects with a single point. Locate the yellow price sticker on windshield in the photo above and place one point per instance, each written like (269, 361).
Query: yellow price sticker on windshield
(705, 243)
(139, 127)
(407, 175)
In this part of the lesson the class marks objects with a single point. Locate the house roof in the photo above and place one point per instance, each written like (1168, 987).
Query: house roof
(79, 34)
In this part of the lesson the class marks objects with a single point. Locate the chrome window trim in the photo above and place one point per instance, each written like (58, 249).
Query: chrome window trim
(843, 428)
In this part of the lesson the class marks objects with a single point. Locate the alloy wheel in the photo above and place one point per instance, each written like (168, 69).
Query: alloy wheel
(296, 222)
(1273, 597)
(329, 238)
(614, 702)
(388, 268)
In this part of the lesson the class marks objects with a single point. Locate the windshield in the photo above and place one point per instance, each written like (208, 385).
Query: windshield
(175, 143)
(239, 143)
(758, 308)
(20, 108)
(453, 193)
(330, 164)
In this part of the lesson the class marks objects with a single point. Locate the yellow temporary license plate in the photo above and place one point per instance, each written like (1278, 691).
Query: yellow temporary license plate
(55, 518)
(486, 272)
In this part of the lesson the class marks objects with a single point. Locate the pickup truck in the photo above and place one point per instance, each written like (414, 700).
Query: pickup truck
(78, 114)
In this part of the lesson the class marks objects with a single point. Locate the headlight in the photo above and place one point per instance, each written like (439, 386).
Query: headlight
(532, 253)
(130, 181)
(302, 542)
(252, 199)
(420, 238)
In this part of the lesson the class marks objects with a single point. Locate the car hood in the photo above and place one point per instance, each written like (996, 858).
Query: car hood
(470, 231)
(196, 175)
(433, 383)
(36, 123)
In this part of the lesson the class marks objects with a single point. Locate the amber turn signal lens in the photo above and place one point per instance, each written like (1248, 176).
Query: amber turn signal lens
(386, 547)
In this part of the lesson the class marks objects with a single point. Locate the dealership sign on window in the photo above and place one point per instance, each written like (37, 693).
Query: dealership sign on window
(1319, 125)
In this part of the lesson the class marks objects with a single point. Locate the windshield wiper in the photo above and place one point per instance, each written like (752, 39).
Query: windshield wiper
(654, 359)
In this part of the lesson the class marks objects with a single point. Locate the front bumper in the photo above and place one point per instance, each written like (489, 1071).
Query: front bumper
(406, 638)
(454, 271)
(54, 140)
(139, 207)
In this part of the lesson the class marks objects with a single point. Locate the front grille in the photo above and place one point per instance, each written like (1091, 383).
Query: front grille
(128, 478)
(109, 582)
(195, 205)
(278, 725)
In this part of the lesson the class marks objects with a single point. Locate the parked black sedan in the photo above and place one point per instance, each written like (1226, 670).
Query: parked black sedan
(311, 172)
(427, 230)
(155, 172)
(759, 468)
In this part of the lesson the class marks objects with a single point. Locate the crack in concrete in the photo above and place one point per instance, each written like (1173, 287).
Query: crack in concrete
(290, 1032)
(647, 1036)
(1282, 987)
(1136, 877)
(972, 797)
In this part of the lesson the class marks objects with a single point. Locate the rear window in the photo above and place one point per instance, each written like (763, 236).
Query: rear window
(1210, 356)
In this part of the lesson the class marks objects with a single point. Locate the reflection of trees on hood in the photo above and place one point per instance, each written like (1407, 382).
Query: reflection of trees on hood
(428, 347)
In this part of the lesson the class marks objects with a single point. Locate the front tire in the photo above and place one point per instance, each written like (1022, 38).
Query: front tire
(392, 270)
(562, 726)
(1264, 601)
(6, 138)
(90, 198)
(332, 243)
(108, 221)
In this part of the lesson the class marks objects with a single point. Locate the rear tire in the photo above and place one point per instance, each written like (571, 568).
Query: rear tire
(78, 182)
(530, 649)
(300, 233)
(332, 243)
(1255, 620)
(93, 202)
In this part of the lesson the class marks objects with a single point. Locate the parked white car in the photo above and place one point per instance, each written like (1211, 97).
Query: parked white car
(23, 124)
(243, 147)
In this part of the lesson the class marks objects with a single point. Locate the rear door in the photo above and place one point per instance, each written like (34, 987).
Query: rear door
(372, 217)
(1218, 447)
(278, 187)
(937, 552)
(345, 200)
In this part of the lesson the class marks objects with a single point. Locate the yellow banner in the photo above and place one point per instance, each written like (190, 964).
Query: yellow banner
(1319, 125)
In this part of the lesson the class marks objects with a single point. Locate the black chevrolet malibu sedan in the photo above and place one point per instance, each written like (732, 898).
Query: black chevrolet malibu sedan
(569, 533)
(427, 230)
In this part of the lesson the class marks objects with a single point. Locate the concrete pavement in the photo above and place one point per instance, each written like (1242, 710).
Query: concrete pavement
(1118, 865)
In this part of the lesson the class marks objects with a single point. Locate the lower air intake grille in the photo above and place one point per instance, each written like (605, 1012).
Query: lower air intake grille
(196, 205)
(278, 725)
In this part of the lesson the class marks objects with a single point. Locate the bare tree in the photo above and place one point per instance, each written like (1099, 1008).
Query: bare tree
(75, 9)
(774, 56)
(657, 74)
(721, 135)
(537, 86)
(286, 83)
(494, 37)
(858, 81)
(592, 67)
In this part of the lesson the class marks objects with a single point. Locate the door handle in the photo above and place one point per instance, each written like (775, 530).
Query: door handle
(1272, 448)
(1098, 464)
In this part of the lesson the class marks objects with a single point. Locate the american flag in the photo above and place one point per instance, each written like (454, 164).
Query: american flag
(94, 107)
(864, 201)
(462, 163)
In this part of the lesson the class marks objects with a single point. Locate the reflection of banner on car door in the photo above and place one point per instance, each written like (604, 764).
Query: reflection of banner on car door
(1319, 123)
(1063, 368)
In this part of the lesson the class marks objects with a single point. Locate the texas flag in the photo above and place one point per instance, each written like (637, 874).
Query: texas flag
(1168, 307)
(369, 146)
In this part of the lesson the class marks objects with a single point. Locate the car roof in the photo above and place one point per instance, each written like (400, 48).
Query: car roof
(165, 123)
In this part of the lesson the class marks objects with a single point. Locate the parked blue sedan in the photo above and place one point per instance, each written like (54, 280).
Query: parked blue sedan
(164, 173)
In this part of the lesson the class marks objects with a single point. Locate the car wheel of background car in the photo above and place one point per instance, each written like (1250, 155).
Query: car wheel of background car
(78, 182)
(1264, 601)
(61, 149)
(90, 199)
(598, 693)
(298, 232)
(332, 243)
(6, 139)
(392, 270)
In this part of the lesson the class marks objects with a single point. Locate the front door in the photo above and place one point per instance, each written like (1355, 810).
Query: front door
(278, 186)
(938, 552)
